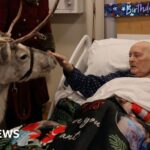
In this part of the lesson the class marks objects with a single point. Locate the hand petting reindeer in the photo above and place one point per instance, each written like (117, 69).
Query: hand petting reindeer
(19, 63)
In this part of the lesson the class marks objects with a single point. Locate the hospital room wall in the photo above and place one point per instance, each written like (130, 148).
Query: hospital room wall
(133, 27)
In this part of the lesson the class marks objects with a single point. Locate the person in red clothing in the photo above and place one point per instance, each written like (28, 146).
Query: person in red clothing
(25, 100)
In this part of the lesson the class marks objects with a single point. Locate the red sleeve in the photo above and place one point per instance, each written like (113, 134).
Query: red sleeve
(3, 14)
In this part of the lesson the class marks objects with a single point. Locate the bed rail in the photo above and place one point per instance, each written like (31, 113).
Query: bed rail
(79, 56)
(79, 60)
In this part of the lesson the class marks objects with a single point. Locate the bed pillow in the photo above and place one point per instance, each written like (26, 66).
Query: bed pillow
(108, 55)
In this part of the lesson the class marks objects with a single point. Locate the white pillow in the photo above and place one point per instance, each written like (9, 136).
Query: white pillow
(108, 55)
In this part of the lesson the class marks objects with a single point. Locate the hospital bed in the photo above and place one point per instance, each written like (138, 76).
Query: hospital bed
(101, 58)
(98, 58)
(98, 122)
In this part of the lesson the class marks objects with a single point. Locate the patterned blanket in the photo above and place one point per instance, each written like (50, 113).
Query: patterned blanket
(103, 125)
(98, 125)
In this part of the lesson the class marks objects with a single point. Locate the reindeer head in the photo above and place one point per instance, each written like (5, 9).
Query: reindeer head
(21, 63)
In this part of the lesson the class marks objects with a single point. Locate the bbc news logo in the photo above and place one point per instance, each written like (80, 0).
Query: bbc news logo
(13, 133)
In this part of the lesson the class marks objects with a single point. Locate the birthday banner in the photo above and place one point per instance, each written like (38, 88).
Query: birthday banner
(127, 9)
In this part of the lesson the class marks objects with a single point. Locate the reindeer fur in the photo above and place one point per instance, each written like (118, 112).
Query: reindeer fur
(15, 61)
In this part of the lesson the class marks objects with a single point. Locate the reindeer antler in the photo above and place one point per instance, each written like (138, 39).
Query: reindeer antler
(15, 20)
(6, 37)
(37, 28)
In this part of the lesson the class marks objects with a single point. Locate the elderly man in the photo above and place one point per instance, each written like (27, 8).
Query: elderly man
(139, 59)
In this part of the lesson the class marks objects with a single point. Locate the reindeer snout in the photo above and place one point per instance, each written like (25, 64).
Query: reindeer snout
(52, 61)
(53, 57)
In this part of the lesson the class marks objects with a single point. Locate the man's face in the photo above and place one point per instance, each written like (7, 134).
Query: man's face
(139, 59)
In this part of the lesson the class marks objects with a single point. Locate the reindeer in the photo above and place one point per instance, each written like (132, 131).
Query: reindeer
(19, 63)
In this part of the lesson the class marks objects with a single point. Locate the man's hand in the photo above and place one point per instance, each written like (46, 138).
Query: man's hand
(63, 62)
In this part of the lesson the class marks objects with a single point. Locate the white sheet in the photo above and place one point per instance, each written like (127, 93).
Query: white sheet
(69, 93)
(135, 90)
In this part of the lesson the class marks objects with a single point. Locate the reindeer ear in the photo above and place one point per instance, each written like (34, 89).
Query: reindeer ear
(5, 53)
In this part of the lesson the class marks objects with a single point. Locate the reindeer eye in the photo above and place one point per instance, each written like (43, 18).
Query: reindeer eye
(23, 57)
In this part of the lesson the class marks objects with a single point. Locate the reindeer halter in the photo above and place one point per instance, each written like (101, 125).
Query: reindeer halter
(27, 74)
